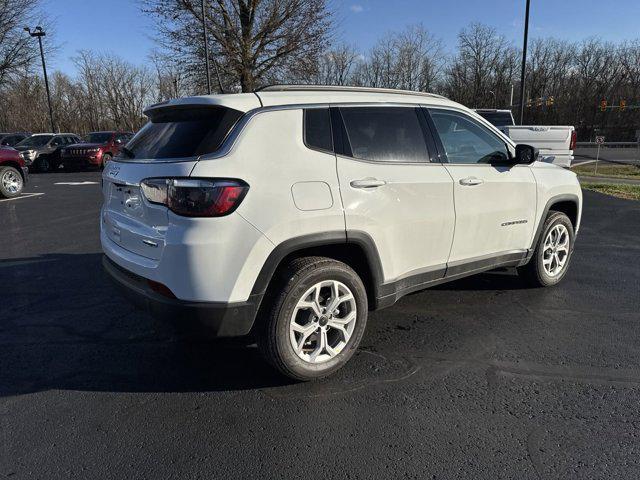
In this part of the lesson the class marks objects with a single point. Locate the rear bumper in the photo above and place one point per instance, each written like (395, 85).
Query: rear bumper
(221, 319)
(25, 174)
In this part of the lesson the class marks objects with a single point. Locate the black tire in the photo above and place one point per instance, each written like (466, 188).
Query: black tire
(288, 287)
(7, 174)
(105, 158)
(534, 272)
(43, 164)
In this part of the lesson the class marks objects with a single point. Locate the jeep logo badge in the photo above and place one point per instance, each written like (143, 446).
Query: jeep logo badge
(113, 171)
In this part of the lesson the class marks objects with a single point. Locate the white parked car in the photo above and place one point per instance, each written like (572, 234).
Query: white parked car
(291, 212)
(556, 143)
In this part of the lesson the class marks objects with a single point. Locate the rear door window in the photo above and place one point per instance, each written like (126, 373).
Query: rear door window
(317, 129)
(385, 134)
(180, 132)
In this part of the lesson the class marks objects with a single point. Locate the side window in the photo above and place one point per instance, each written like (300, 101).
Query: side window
(385, 134)
(466, 141)
(317, 129)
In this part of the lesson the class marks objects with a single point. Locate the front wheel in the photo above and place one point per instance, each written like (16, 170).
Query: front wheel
(552, 254)
(316, 320)
(11, 183)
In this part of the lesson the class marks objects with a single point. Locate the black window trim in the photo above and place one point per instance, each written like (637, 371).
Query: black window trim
(342, 145)
(304, 129)
(441, 151)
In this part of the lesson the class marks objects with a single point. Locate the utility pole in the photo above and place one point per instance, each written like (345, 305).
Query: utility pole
(39, 33)
(524, 61)
(206, 47)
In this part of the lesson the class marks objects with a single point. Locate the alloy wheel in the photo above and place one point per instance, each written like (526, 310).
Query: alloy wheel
(555, 251)
(11, 181)
(323, 321)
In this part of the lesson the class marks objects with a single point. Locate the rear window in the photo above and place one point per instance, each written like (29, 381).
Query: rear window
(177, 132)
(99, 137)
(497, 119)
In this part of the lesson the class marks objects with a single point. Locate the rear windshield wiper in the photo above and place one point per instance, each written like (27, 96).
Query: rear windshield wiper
(127, 152)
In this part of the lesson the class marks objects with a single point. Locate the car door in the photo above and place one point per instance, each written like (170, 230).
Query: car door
(393, 192)
(495, 201)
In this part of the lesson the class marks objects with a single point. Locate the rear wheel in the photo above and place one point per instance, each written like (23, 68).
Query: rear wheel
(11, 183)
(316, 320)
(552, 255)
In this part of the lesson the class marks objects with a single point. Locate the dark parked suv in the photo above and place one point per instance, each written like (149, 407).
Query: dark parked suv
(41, 152)
(11, 139)
(96, 150)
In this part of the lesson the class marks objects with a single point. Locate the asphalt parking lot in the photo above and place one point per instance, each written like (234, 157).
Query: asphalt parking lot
(481, 378)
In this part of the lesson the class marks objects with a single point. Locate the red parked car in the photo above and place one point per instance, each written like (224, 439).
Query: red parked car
(13, 172)
(97, 149)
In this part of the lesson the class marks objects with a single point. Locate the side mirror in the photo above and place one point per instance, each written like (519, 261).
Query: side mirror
(526, 154)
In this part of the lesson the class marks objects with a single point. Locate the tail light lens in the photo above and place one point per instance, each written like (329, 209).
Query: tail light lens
(195, 197)
(574, 140)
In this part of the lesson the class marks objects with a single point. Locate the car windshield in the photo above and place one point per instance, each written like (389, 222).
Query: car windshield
(35, 141)
(98, 137)
(498, 119)
(181, 132)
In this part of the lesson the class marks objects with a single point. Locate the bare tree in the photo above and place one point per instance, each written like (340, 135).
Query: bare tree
(170, 80)
(412, 59)
(253, 41)
(336, 66)
(482, 71)
(16, 47)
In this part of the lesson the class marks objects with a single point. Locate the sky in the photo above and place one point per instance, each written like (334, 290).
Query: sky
(118, 26)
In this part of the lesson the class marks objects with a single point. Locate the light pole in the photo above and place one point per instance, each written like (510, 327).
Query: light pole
(206, 47)
(524, 61)
(39, 33)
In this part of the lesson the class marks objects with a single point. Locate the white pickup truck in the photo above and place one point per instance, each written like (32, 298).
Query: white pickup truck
(556, 143)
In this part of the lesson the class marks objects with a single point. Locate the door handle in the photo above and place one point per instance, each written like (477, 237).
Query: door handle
(471, 181)
(367, 183)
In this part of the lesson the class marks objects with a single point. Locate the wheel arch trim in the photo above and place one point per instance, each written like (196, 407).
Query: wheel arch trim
(321, 239)
(566, 197)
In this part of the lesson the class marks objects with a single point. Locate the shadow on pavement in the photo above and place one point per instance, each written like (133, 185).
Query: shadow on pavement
(63, 325)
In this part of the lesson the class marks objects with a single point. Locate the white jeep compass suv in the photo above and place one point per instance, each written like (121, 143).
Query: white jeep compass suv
(291, 212)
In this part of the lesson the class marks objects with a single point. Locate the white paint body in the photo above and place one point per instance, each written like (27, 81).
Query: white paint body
(421, 219)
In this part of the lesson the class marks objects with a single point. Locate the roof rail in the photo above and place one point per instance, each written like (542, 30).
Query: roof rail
(341, 88)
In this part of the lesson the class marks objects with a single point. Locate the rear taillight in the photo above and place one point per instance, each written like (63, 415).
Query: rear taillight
(574, 140)
(195, 197)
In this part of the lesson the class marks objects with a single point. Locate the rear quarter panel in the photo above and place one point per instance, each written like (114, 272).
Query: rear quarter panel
(293, 190)
(271, 157)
